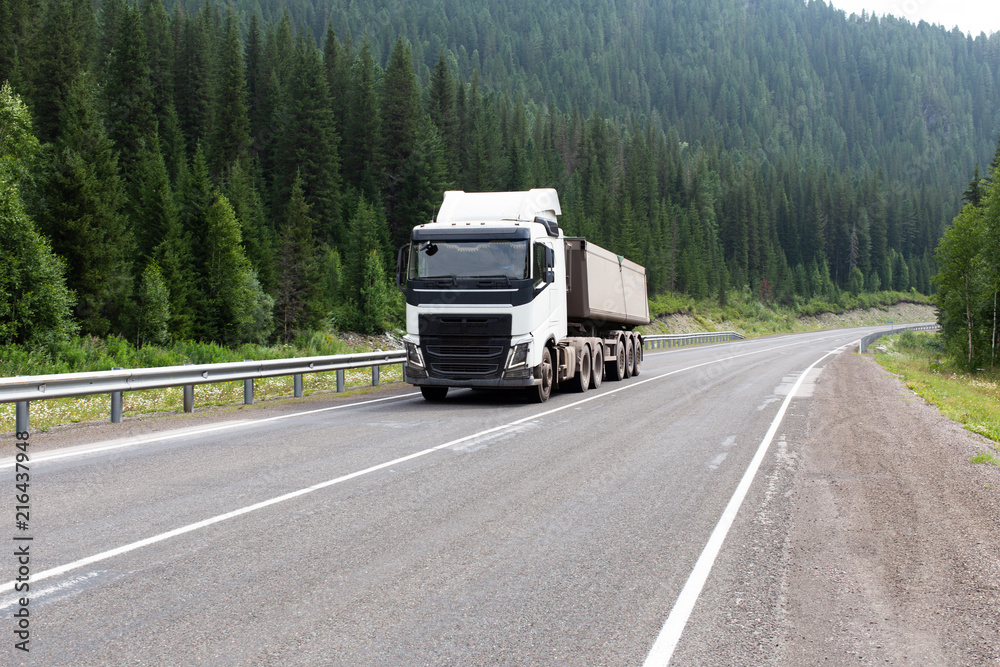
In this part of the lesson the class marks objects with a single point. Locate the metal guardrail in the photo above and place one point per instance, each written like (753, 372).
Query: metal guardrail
(24, 389)
(658, 341)
(871, 338)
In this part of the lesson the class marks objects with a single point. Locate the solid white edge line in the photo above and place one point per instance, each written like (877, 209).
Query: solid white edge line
(182, 433)
(663, 648)
(104, 555)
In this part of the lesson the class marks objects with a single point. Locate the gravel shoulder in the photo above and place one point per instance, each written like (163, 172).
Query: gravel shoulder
(894, 547)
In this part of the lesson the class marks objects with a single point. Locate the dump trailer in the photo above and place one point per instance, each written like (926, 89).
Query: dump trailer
(498, 297)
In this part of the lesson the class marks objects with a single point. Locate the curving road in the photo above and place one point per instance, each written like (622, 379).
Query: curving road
(383, 529)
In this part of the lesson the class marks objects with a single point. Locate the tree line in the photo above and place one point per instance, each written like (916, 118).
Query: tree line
(969, 278)
(204, 174)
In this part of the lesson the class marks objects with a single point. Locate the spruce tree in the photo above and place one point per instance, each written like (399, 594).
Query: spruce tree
(153, 308)
(35, 302)
(237, 309)
(362, 132)
(231, 139)
(128, 96)
(296, 307)
(62, 49)
(193, 75)
(79, 205)
(401, 118)
(307, 144)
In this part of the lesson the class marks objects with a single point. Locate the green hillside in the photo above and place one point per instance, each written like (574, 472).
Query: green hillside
(243, 172)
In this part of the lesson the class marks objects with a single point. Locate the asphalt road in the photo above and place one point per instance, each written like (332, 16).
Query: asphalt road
(383, 529)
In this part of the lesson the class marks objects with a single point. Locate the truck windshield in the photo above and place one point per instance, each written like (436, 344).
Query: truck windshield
(470, 259)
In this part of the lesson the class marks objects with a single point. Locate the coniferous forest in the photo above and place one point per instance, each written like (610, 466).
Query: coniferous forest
(243, 172)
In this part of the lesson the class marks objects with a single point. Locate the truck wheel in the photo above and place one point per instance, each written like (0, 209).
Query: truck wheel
(637, 357)
(616, 366)
(581, 381)
(540, 392)
(435, 394)
(629, 355)
(597, 367)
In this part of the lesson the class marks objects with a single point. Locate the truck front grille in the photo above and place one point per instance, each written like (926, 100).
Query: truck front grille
(465, 347)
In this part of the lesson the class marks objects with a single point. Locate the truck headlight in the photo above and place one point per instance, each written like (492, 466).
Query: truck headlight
(518, 356)
(413, 356)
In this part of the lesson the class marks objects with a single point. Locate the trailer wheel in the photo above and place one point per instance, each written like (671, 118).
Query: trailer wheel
(581, 381)
(540, 392)
(637, 357)
(435, 394)
(629, 355)
(616, 366)
(597, 367)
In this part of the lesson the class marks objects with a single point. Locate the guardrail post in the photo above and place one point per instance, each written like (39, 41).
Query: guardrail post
(375, 376)
(297, 385)
(340, 380)
(248, 390)
(189, 398)
(21, 421)
(116, 402)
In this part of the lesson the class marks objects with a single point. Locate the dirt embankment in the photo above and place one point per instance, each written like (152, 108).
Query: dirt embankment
(900, 313)
(894, 550)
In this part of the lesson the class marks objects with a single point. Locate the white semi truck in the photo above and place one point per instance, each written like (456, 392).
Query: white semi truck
(496, 296)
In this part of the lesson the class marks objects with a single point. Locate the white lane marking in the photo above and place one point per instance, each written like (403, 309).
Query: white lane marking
(663, 648)
(111, 553)
(58, 588)
(183, 433)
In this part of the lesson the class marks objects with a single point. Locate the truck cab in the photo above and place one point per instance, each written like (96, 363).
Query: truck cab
(485, 289)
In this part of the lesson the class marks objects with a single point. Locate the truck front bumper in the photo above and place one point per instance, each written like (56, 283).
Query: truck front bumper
(485, 383)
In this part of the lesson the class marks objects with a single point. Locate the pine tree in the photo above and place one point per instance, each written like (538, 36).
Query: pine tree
(155, 208)
(363, 133)
(298, 283)
(128, 96)
(307, 144)
(368, 232)
(444, 114)
(193, 75)
(153, 317)
(959, 284)
(160, 47)
(238, 311)
(34, 300)
(63, 49)
(79, 206)
(376, 303)
(400, 121)
(231, 140)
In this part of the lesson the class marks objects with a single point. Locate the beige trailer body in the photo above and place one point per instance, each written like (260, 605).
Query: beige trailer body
(603, 287)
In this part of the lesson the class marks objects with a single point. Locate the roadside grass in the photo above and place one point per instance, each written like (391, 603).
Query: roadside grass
(971, 400)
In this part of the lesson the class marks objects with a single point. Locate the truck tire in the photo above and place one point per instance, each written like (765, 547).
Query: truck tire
(581, 381)
(597, 366)
(615, 366)
(435, 394)
(629, 355)
(637, 357)
(541, 392)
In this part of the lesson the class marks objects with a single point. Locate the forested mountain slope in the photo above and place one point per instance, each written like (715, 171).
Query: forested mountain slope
(254, 157)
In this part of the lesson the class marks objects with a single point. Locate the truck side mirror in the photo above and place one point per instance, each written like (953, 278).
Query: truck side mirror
(402, 264)
(550, 258)
(550, 276)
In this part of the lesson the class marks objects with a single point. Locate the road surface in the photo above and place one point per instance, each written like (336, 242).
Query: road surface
(385, 530)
